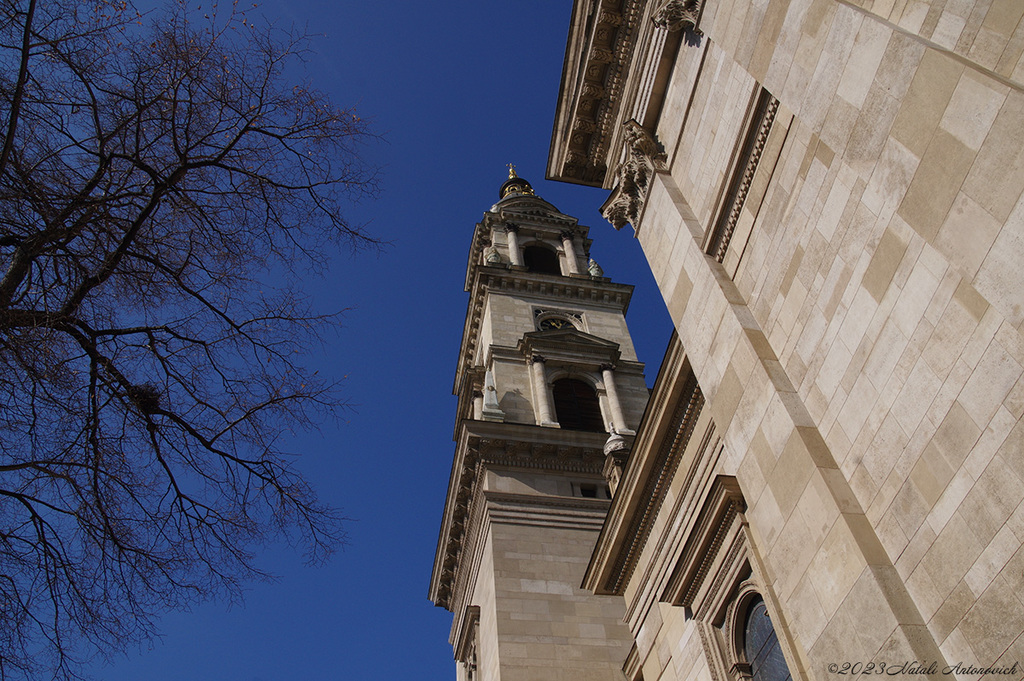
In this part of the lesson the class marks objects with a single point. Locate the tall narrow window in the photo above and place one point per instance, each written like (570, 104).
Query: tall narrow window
(576, 405)
(541, 259)
(761, 646)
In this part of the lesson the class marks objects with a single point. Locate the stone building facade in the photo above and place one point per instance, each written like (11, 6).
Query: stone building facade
(828, 193)
(548, 387)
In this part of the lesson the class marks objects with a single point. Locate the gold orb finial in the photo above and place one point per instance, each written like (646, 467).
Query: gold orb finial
(514, 184)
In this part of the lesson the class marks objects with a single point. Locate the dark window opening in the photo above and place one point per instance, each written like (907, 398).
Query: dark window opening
(588, 491)
(576, 405)
(761, 646)
(541, 259)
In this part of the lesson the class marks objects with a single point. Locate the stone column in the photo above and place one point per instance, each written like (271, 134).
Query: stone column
(570, 253)
(542, 402)
(618, 419)
(514, 254)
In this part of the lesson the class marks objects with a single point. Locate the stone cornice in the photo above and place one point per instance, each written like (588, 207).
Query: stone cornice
(758, 128)
(633, 666)
(487, 444)
(538, 511)
(692, 478)
(508, 353)
(602, 37)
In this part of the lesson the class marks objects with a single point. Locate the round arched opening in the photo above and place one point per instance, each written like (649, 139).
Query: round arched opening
(761, 645)
(541, 259)
(576, 405)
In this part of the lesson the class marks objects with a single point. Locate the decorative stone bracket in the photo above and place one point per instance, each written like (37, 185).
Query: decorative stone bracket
(644, 157)
(678, 15)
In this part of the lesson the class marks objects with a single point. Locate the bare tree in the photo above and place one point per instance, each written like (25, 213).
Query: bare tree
(155, 175)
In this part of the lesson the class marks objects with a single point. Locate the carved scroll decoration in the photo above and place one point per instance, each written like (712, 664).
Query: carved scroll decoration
(633, 176)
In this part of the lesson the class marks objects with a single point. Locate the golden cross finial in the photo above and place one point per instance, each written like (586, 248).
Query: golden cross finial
(511, 171)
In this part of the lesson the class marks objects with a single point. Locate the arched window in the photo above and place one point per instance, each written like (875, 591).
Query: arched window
(541, 259)
(576, 405)
(761, 645)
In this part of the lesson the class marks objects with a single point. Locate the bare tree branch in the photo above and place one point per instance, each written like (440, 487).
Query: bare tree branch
(152, 177)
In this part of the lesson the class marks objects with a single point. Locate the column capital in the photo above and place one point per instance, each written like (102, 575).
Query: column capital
(511, 227)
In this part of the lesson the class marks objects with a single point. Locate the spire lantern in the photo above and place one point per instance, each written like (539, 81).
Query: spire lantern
(515, 184)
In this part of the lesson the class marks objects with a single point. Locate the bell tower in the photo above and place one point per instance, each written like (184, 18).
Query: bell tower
(550, 392)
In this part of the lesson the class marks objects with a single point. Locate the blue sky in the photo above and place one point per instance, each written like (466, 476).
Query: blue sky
(457, 89)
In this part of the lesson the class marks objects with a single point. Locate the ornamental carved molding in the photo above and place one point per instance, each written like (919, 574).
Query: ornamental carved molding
(582, 125)
(604, 64)
(760, 126)
(678, 15)
(655, 488)
(644, 157)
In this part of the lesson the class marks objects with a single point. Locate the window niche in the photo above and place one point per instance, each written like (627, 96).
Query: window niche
(717, 581)
(541, 259)
(762, 655)
(591, 490)
(576, 405)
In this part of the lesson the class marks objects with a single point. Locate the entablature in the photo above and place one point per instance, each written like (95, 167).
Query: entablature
(599, 292)
(707, 568)
(602, 35)
(487, 444)
(617, 63)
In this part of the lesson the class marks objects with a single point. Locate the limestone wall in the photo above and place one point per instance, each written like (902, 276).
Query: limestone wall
(547, 626)
(865, 359)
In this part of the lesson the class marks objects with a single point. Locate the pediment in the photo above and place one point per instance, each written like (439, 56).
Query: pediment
(569, 345)
(571, 336)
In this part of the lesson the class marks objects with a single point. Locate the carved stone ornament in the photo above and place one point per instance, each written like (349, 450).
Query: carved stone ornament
(633, 176)
(606, 17)
(640, 142)
(677, 15)
(576, 158)
(583, 125)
